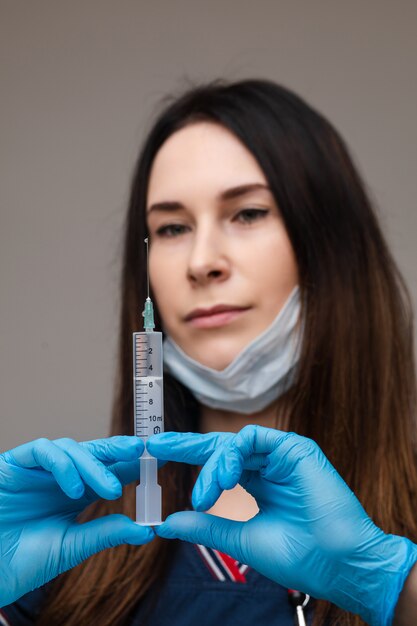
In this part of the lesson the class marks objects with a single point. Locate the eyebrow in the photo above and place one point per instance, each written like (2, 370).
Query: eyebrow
(228, 194)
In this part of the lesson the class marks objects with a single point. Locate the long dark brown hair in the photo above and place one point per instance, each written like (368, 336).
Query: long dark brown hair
(356, 390)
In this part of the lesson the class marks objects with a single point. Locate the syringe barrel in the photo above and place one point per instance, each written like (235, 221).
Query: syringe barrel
(148, 393)
(147, 354)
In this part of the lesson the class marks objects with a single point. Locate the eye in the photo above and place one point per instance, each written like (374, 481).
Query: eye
(247, 216)
(171, 230)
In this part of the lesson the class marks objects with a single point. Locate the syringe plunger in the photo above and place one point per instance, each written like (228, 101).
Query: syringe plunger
(148, 493)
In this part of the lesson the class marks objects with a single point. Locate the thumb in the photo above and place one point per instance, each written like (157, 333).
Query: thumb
(209, 530)
(83, 540)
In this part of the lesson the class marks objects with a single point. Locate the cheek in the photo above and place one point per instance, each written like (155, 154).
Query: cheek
(271, 264)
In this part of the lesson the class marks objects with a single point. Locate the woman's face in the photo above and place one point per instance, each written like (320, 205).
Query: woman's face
(216, 240)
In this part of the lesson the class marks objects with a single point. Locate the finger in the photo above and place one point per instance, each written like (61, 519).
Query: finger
(246, 450)
(208, 488)
(202, 528)
(125, 471)
(257, 443)
(250, 448)
(230, 471)
(211, 483)
(93, 472)
(192, 448)
(286, 454)
(114, 449)
(45, 454)
(295, 455)
(255, 439)
(213, 478)
(197, 449)
(83, 540)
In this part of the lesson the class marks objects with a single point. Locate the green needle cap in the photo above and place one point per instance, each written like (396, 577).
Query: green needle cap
(147, 313)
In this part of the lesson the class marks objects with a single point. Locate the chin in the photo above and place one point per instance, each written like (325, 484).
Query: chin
(215, 364)
(215, 358)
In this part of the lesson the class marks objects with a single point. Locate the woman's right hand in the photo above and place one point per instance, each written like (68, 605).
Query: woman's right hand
(44, 486)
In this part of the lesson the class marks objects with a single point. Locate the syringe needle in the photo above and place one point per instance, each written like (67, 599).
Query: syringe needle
(148, 314)
(147, 262)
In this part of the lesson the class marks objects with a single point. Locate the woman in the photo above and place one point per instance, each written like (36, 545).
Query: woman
(304, 237)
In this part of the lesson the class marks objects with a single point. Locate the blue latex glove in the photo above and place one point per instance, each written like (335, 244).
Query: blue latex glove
(311, 532)
(44, 486)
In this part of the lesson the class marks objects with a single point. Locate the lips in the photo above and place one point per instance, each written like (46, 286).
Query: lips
(219, 308)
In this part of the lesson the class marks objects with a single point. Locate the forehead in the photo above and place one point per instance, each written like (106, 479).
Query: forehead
(201, 158)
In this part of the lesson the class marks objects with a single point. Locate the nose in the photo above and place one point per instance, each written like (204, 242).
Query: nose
(207, 262)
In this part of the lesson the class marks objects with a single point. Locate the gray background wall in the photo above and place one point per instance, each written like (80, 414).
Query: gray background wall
(78, 85)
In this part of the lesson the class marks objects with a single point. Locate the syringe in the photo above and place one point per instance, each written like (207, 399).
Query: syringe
(148, 402)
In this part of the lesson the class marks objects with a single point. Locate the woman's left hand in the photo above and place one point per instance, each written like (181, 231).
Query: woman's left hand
(311, 532)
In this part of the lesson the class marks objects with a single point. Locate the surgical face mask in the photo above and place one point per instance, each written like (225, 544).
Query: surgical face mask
(263, 371)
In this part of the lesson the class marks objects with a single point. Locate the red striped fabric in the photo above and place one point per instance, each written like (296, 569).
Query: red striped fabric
(233, 566)
(222, 566)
